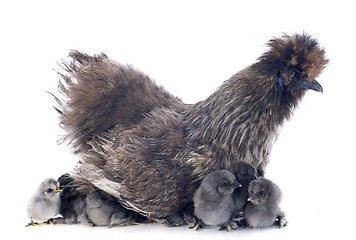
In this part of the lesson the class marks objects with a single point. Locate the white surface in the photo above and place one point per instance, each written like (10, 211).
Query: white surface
(190, 47)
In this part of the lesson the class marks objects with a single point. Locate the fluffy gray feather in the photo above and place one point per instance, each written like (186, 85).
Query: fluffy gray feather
(262, 208)
(46, 201)
(95, 206)
(213, 202)
(104, 210)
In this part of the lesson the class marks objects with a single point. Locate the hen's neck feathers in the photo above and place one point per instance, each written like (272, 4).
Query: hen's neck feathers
(241, 118)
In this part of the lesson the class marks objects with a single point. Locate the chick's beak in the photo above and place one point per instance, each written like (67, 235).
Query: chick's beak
(237, 184)
(313, 85)
(249, 198)
(58, 190)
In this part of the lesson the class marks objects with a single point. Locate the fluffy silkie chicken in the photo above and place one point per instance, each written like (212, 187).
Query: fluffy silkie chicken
(148, 149)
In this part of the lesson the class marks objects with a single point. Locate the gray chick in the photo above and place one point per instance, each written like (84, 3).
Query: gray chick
(262, 208)
(213, 203)
(46, 201)
(104, 210)
(93, 207)
(244, 174)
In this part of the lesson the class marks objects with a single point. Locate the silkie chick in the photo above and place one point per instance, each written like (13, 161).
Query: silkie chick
(46, 201)
(213, 203)
(262, 208)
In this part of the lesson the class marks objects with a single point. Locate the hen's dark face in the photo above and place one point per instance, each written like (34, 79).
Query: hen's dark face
(296, 60)
(296, 79)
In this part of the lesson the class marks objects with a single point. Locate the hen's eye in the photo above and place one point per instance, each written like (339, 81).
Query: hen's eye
(295, 75)
(49, 190)
(261, 193)
(244, 174)
(226, 184)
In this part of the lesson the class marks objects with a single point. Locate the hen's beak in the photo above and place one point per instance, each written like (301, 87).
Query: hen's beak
(313, 85)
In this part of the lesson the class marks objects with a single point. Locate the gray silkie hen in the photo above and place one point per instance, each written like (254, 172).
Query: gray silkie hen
(149, 150)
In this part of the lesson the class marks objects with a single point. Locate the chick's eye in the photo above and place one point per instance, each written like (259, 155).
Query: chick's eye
(49, 190)
(244, 174)
(226, 184)
(261, 193)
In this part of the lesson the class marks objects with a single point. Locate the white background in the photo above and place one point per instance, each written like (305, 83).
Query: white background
(189, 47)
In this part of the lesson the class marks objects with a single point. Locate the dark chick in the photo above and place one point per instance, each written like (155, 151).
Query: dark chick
(262, 208)
(72, 202)
(151, 150)
(213, 203)
(244, 174)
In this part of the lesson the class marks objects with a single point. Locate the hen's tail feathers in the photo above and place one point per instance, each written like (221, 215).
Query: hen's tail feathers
(100, 94)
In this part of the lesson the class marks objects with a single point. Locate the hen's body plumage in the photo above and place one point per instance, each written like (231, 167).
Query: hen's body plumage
(150, 150)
